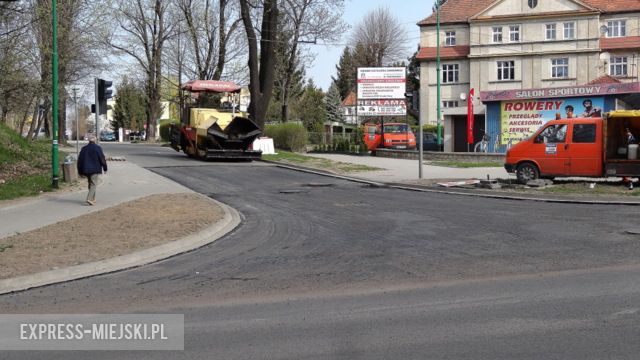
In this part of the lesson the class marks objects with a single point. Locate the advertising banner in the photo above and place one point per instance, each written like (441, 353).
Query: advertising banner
(583, 91)
(382, 107)
(381, 83)
(521, 118)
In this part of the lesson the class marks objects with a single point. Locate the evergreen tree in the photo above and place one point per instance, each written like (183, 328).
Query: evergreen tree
(345, 78)
(130, 108)
(310, 107)
(333, 100)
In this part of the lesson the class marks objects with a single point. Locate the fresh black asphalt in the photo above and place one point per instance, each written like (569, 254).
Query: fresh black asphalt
(329, 269)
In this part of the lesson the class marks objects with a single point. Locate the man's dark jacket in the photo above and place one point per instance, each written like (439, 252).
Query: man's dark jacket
(91, 160)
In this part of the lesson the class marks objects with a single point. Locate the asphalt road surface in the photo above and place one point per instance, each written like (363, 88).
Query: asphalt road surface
(328, 269)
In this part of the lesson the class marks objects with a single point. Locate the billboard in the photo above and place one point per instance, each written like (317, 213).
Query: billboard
(521, 118)
(381, 91)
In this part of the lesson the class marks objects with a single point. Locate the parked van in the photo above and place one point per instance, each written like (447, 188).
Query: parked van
(584, 147)
(390, 136)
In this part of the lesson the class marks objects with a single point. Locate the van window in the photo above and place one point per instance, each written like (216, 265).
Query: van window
(584, 133)
(552, 134)
(396, 129)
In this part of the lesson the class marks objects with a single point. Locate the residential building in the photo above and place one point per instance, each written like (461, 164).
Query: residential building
(348, 109)
(531, 52)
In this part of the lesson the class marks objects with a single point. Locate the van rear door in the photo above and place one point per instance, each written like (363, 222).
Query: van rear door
(584, 148)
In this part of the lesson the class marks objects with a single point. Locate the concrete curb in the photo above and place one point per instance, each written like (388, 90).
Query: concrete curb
(449, 192)
(230, 221)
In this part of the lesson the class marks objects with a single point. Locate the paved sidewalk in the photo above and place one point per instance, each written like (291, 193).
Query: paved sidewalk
(123, 182)
(400, 170)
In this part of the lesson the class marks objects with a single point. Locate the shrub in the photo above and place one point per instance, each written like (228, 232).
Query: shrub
(164, 128)
(288, 136)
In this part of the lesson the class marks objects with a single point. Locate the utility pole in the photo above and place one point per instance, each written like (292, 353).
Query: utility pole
(54, 98)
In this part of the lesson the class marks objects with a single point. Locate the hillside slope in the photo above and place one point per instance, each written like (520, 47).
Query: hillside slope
(24, 166)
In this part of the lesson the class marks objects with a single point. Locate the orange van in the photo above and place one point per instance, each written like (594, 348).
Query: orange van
(583, 147)
(391, 136)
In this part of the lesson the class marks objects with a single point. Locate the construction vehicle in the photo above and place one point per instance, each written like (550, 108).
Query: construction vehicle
(213, 129)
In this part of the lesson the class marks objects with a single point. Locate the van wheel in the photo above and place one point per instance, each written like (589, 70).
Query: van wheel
(527, 171)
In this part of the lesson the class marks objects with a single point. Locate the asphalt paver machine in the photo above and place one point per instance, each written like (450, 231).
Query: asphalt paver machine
(211, 127)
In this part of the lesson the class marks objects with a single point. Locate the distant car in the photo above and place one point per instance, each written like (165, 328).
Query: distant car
(429, 141)
(107, 136)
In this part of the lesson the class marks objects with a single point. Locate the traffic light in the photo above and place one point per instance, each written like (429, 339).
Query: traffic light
(104, 93)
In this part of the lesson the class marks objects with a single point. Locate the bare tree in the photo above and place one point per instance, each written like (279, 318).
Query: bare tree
(262, 63)
(211, 29)
(306, 21)
(381, 36)
(143, 31)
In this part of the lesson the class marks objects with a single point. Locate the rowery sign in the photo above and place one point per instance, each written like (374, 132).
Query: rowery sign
(570, 91)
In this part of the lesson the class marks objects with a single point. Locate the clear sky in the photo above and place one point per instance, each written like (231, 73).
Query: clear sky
(408, 13)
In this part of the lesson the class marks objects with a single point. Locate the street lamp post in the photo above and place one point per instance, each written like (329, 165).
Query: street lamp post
(54, 97)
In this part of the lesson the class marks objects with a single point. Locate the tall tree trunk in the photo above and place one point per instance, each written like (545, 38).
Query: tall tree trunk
(261, 66)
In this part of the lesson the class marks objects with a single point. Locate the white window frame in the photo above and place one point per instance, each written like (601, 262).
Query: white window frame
(449, 38)
(571, 27)
(514, 33)
(560, 68)
(449, 104)
(619, 66)
(550, 31)
(507, 67)
(496, 31)
(616, 28)
(453, 70)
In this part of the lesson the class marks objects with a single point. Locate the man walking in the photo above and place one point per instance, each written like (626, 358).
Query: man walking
(91, 163)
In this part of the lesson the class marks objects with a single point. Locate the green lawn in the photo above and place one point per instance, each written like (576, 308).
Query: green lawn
(287, 157)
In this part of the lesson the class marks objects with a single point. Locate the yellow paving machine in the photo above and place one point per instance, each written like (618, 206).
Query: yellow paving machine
(211, 126)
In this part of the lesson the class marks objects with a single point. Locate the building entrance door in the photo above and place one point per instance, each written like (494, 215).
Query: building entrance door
(460, 132)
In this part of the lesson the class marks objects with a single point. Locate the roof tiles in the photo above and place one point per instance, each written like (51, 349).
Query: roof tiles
(454, 11)
(629, 42)
(446, 52)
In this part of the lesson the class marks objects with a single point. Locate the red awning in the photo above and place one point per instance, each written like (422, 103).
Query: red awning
(211, 86)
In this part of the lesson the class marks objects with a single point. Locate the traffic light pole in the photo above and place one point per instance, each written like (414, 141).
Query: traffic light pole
(54, 97)
(97, 107)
